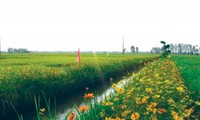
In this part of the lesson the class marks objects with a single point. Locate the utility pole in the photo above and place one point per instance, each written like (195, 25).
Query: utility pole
(123, 50)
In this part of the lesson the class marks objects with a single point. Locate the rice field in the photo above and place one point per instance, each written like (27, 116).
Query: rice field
(164, 89)
(23, 76)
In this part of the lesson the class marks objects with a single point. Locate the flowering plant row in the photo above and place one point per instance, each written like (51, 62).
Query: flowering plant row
(157, 92)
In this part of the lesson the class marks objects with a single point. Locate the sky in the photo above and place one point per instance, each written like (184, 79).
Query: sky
(97, 25)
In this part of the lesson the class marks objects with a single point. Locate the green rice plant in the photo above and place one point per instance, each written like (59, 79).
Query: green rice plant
(23, 76)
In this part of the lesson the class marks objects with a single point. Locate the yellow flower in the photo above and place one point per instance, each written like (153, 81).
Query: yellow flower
(154, 111)
(144, 100)
(114, 85)
(135, 116)
(151, 107)
(108, 118)
(108, 103)
(43, 110)
(188, 112)
(153, 104)
(170, 101)
(175, 116)
(116, 99)
(137, 100)
(120, 90)
(179, 118)
(148, 90)
(180, 89)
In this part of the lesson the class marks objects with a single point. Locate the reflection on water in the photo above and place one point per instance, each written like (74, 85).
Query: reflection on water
(99, 91)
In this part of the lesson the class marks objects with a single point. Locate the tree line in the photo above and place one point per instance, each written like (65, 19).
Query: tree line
(179, 49)
(19, 50)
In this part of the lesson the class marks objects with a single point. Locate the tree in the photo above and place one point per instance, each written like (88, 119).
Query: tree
(172, 48)
(156, 50)
(180, 48)
(10, 50)
(137, 49)
(175, 48)
(165, 49)
(132, 49)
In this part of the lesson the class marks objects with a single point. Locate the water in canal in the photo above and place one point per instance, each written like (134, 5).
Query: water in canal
(67, 102)
(99, 91)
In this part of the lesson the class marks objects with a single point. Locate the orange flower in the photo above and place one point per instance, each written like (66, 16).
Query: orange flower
(117, 118)
(89, 95)
(162, 110)
(83, 108)
(71, 116)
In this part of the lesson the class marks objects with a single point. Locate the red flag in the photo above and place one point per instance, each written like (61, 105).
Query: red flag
(78, 57)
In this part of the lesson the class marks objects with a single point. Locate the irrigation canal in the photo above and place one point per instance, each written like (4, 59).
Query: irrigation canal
(99, 91)
(67, 103)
